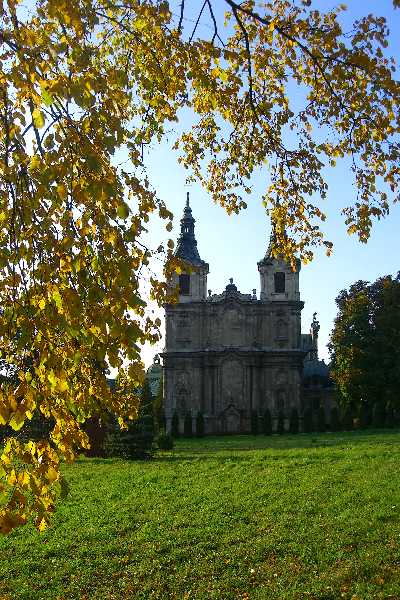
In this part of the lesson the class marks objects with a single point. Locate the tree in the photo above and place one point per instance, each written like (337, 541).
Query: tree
(83, 82)
(175, 425)
(159, 414)
(365, 345)
(294, 421)
(335, 424)
(267, 422)
(280, 425)
(379, 415)
(321, 422)
(347, 419)
(364, 415)
(199, 424)
(136, 440)
(254, 422)
(308, 423)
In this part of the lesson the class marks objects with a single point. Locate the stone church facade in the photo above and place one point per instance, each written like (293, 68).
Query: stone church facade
(231, 354)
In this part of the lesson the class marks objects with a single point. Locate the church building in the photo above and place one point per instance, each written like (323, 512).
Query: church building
(232, 355)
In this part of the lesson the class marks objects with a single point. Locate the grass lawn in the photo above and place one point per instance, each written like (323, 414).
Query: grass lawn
(290, 517)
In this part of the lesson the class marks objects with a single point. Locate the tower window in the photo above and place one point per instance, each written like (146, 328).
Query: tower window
(184, 284)
(279, 280)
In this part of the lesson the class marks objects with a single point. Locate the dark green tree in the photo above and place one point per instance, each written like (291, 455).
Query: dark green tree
(308, 424)
(365, 344)
(159, 414)
(347, 419)
(335, 419)
(280, 428)
(267, 422)
(137, 440)
(365, 415)
(379, 415)
(175, 425)
(321, 421)
(165, 441)
(294, 421)
(390, 420)
(254, 422)
(199, 424)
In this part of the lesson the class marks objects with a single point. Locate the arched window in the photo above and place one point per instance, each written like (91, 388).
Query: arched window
(279, 281)
(184, 284)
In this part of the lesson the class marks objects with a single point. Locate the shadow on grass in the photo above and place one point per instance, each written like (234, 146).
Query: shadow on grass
(226, 448)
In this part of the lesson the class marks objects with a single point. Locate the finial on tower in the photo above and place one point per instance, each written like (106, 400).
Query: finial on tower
(187, 199)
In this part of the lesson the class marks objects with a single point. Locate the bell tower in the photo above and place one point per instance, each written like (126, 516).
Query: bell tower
(192, 283)
(278, 281)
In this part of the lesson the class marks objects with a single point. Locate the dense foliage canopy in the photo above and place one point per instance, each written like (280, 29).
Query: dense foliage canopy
(87, 82)
(365, 344)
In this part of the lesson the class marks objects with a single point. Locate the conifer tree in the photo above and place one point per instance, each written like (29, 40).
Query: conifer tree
(267, 422)
(335, 419)
(136, 441)
(280, 428)
(175, 431)
(159, 414)
(321, 420)
(379, 415)
(199, 424)
(254, 422)
(308, 422)
(294, 421)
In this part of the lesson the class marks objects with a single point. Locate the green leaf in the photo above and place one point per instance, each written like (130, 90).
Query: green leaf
(123, 210)
(47, 98)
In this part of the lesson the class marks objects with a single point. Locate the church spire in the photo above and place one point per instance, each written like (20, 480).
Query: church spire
(187, 245)
(272, 241)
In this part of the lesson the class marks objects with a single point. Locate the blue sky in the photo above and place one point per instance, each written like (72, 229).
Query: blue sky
(233, 244)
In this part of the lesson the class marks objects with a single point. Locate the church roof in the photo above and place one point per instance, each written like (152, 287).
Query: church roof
(268, 257)
(187, 245)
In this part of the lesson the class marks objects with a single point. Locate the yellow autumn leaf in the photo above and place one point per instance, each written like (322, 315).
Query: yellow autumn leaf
(52, 474)
(38, 118)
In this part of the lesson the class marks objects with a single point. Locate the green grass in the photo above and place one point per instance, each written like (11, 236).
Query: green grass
(291, 517)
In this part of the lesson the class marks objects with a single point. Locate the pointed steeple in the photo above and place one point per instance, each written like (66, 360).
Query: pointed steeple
(186, 248)
(272, 239)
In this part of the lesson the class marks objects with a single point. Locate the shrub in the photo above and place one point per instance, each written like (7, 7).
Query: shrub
(280, 428)
(390, 417)
(347, 421)
(187, 425)
(175, 425)
(294, 421)
(137, 440)
(308, 425)
(159, 414)
(321, 423)
(379, 415)
(254, 422)
(335, 419)
(199, 424)
(267, 422)
(364, 416)
(165, 441)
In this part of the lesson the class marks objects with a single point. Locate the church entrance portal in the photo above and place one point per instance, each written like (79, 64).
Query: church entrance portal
(230, 420)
